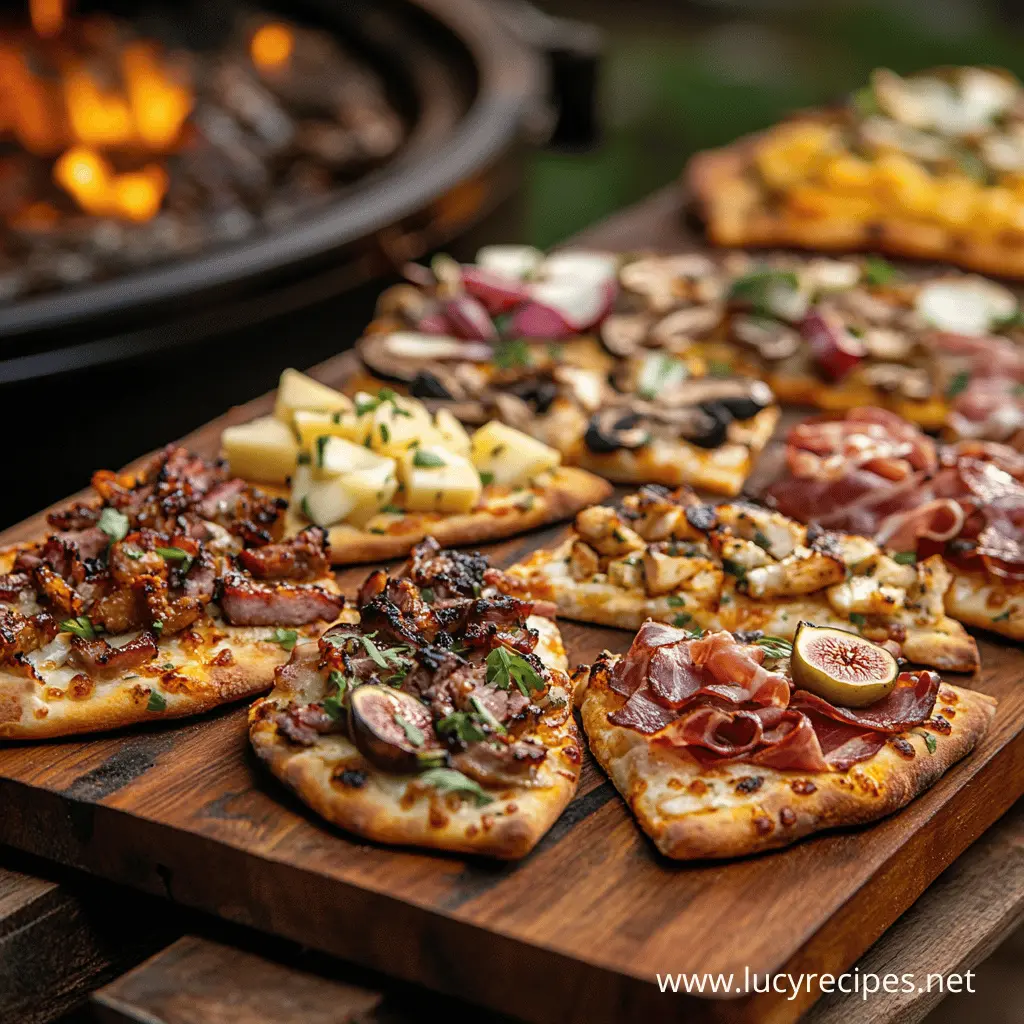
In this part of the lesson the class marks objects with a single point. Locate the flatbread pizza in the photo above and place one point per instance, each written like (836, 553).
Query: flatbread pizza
(442, 718)
(166, 593)
(719, 753)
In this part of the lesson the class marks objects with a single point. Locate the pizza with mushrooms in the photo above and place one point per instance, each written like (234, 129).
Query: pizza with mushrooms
(167, 592)
(441, 719)
(669, 556)
(720, 754)
(380, 472)
(874, 474)
(516, 337)
(930, 166)
(943, 351)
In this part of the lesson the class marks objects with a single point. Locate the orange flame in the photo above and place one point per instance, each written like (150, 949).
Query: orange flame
(92, 183)
(271, 46)
(159, 104)
(47, 17)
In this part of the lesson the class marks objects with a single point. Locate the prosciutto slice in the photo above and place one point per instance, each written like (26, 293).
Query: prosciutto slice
(909, 703)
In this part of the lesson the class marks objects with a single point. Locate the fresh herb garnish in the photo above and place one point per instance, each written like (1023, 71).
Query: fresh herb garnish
(334, 705)
(176, 555)
(659, 372)
(775, 646)
(734, 569)
(333, 708)
(321, 447)
(958, 383)
(287, 638)
(505, 667)
(761, 540)
(385, 433)
(427, 460)
(394, 510)
(157, 627)
(486, 478)
(905, 557)
(463, 725)
(510, 354)
(156, 702)
(682, 619)
(1003, 616)
(481, 709)
(756, 288)
(114, 524)
(412, 733)
(81, 626)
(929, 740)
(857, 619)
(427, 593)
(675, 601)
(878, 271)
(448, 780)
(384, 396)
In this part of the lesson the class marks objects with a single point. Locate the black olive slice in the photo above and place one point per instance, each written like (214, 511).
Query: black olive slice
(426, 385)
(612, 429)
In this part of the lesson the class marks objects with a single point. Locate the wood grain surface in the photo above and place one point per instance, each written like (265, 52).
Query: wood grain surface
(589, 918)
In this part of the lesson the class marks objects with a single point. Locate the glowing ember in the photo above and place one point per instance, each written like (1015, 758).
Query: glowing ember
(271, 46)
(160, 105)
(47, 17)
(92, 182)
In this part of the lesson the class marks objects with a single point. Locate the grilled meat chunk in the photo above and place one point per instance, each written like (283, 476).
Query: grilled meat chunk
(20, 634)
(102, 661)
(246, 603)
(304, 557)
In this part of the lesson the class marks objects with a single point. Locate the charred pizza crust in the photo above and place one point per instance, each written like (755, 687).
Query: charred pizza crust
(335, 779)
(738, 809)
(502, 513)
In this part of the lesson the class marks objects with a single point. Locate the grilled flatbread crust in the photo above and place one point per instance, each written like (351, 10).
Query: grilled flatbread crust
(739, 809)
(722, 470)
(735, 214)
(391, 808)
(987, 602)
(504, 514)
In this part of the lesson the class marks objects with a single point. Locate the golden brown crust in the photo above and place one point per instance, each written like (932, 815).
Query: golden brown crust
(568, 490)
(987, 602)
(735, 215)
(736, 810)
(335, 780)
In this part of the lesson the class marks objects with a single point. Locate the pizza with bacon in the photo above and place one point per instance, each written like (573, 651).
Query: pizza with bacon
(874, 474)
(719, 754)
(928, 166)
(165, 593)
(441, 719)
(671, 557)
(517, 337)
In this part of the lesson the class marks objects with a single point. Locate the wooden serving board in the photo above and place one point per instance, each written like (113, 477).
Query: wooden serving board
(577, 931)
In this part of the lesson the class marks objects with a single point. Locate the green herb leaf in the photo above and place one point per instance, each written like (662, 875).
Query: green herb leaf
(675, 601)
(157, 627)
(486, 478)
(734, 569)
(156, 702)
(761, 540)
(427, 593)
(481, 709)
(81, 627)
(878, 271)
(775, 646)
(176, 555)
(287, 638)
(504, 667)
(463, 725)
(682, 619)
(114, 524)
(958, 383)
(333, 708)
(427, 460)
(510, 354)
(756, 288)
(448, 780)
(929, 740)
(1003, 616)
(659, 371)
(905, 557)
(321, 447)
(412, 733)
(1010, 323)
(394, 510)
(385, 433)
(857, 619)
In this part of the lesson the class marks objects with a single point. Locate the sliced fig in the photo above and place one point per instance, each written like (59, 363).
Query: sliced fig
(392, 729)
(834, 348)
(844, 668)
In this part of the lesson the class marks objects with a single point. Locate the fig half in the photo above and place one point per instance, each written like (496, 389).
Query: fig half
(393, 730)
(844, 668)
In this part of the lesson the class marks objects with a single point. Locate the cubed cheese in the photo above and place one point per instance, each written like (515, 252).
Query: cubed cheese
(327, 501)
(437, 480)
(311, 424)
(264, 450)
(453, 432)
(370, 489)
(394, 430)
(297, 391)
(333, 456)
(510, 458)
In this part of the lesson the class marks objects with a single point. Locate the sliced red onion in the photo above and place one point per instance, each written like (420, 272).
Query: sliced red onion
(433, 323)
(498, 294)
(513, 262)
(468, 318)
(560, 308)
(834, 348)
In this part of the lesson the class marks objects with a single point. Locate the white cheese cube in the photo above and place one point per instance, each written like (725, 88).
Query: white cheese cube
(453, 432)
(297, 391)
(264, 450)
(509, 457)
(333, 456)
(437, 480)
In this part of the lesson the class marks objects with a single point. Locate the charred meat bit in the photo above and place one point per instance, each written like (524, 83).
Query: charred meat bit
(500, 764)
(447, 573)
(102, 661)
(14, 584)
(56, 593)
(20, 634)
(303, 723)
(303, 557)
(245, 603)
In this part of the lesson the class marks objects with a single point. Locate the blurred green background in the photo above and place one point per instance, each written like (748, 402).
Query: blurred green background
(681, 76)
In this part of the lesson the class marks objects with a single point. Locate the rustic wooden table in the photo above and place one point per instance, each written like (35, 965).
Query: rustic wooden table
(63, 937)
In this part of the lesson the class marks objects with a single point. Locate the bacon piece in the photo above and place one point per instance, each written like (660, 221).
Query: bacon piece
(103, 661)
(56, 593)
(78, 516)
(909, 704)
(20, 634)
(303, 557)
(246, 603)
(448, 573)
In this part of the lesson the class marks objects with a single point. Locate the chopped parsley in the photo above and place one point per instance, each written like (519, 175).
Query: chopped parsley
(391, 658)
(958, 383)
(734, 569)
(448, 780)
(427, 593)
(682, 619)
(81, 626)
(504, 667)
(157, 627)
(427, 460)
(412, 733)
(486, 478)
(393, 510)
(878, 271)
(384, 396)
(385, 433)
(1003, 617)
(184, 559)
(334, 705)
(929, 740)
(510, 354)
(775, 646)
(321, 447)
(287, 638)
(755, 289)
(114, 524)
(675, 601)
(905, 557)
(156, 702)
(761, 540)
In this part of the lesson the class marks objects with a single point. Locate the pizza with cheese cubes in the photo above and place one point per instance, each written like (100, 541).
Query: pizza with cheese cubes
(517, 337)
(379, 472)
(874, 474)
(929, 166)
(442, 718)
(668, 556)
(167, 592)
(725, 745)
(943, 351)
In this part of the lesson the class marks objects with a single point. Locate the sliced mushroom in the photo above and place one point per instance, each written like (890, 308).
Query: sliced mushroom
(624, 334)
(401, 355)
(910, 382)
(663, 280)
(772, 339)
(885, 343)
(678, 329)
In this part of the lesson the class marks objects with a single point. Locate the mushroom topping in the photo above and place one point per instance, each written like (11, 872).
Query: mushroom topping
(965, 305)
(624, 334)
(679, 329)
(911, 382)
(402, 355)
(772, 339)
(586, 387)
(883, 343)
(664, 281)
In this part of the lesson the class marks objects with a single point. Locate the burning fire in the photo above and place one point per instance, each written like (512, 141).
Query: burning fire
(95, 121)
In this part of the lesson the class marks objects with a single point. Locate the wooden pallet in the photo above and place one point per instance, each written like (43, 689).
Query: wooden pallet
(578, 930)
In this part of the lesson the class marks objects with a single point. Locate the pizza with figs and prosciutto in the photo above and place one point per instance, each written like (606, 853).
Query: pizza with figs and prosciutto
(165, 593)
(719, 754)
